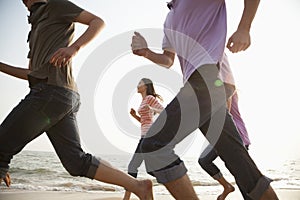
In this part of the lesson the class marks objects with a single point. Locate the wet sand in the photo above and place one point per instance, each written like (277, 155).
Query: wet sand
(288, 194)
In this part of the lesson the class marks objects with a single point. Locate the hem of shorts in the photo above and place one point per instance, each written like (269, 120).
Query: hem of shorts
(93, 168)
(261, 186)
(217, 176)
(170, 174)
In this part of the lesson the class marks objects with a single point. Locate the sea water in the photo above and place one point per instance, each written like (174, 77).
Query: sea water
(42, 171)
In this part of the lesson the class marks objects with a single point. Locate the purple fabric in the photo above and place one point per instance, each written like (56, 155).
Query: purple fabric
(226, 76)
(198, 24)
(239, 123)
(225, 71)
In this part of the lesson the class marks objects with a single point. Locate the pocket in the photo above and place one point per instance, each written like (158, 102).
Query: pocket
(50, 108)
(54, 110)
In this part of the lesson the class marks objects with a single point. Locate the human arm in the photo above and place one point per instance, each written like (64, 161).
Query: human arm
(139, 47)
(133, 114)
(241, 40)
(95, 25)
(154, 105)
(15, 71)
(156, 110)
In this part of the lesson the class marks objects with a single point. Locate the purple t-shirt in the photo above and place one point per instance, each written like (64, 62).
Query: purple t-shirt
(196, 31)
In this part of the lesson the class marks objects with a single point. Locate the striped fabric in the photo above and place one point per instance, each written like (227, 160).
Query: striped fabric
(146, 114)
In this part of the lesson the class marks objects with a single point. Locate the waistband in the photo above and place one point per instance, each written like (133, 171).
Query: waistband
(34, 81)
(42, 84)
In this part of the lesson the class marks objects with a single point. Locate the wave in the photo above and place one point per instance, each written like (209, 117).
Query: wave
(37, 171)
(43, 171)
(201, 183)
(66, 187)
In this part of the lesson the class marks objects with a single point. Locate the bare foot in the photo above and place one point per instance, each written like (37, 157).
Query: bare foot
(226, 191)
(6, 180)
(145, 190)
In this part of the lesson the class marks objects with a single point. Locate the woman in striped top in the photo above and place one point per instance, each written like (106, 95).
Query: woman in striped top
(148, 108)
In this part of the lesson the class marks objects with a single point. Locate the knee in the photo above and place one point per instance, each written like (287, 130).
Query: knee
(202, 162)
(73, 169)
(78, 165)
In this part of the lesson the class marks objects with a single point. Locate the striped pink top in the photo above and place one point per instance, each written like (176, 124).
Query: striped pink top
(146, 114)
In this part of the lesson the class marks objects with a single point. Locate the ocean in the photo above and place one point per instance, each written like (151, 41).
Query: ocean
(42, 171)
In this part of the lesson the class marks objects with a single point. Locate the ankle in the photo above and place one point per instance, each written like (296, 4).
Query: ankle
(144, 189)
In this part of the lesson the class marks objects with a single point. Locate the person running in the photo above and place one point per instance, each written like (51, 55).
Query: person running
(196, 32)
(148, 108)
(53, 100)
(209, 154)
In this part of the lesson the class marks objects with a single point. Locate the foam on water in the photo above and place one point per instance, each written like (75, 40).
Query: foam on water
(43, 171)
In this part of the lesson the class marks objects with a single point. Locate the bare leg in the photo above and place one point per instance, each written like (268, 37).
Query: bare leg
(182, 189)
(108, 174)
(269, 194)
(127, 195)
(228, 188)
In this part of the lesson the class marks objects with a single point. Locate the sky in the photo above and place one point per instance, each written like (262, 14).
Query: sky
(267, 75)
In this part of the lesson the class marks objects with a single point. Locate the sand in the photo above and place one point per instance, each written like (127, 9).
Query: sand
(285, 194)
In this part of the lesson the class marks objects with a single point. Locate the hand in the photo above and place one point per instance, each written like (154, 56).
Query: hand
(6, 180)
(1, 66)
(63, 55)
(239, 41)
(139, 45)
(132, 112)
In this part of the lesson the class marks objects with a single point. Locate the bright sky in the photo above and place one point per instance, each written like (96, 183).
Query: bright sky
(266, 75)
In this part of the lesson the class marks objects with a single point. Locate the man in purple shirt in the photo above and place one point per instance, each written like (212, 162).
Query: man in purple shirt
(196, 32)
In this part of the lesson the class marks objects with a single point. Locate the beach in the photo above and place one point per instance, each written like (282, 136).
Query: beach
(284, 194)
(40, 176)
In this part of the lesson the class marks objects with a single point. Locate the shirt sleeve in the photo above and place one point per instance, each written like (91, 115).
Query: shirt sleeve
(153, 102)
(166, 45)
(65, 10)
